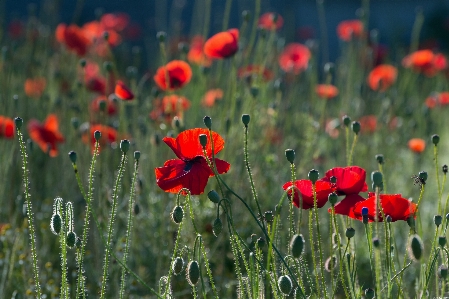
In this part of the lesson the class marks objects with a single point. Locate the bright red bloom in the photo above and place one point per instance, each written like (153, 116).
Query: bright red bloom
(271, 21)
(417, 145)
(326, 91)
(425, 61)
(123, 92)
(223, 44)
(394, 205)
(196, 54)
(249, 71)
(93, 79)
(117, 22)
(178, 72)
(95, 31)
(346, 30)
(304, 187)
(295, 58)
(7, 127)
(191, 170)
(382, 77)
(108, 136)
(350, 179)
(46, 135)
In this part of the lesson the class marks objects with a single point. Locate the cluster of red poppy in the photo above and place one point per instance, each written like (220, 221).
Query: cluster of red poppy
(437, 99)
(425, 61)
(349, 182)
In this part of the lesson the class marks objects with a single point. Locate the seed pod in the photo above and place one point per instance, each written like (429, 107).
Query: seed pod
(346, 120)
(442, 271)
(313, 175)
(435, 139)
(376, 177)
(369, 293)
(207, 122)
(380, 159)
(297, 245)
(193, 273)
(217, 227)
(333, 198)
(56, 224)
(245, 119)
(442, 241)
(71, 239)
(376, 242)
(177, 214)
(177, 265)
(415, 247)
(437, 219)
(203, 140)
(350, 232)
(356, 127)
(285, 284)
(290, 155)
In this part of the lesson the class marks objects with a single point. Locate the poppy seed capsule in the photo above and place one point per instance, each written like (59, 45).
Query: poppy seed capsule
(72, 156)
(297, 245)
(415, 247)
(203, 140)
(333, 179)
(388, 218)
(445, 169)
(18, 122)
(376, 242)
(193, 273)
(350, 232)
(97, 135)
(246, 119)
(213, 196)
(313, 175)
(290, 155)
(423, 176)
(285, 284)
(136, 155)
(124, 145)
(78, 242)
(161, 35)
(269, 216)
(346, 120)
(442, 271)
(380, 159)
(75, 122)
(71, 239)
(56, 224)
(376, 177)
(435, 139)
(369, 293)
(437, 219)
(177, 214)
(442, 241)
(177, 265)
(356, 127)
(207, 122)
(217, 227)
(333, 198)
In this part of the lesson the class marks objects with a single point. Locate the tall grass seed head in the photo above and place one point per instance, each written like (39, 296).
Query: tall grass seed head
(72, 156)
(435, 139)
(217, 227)
(71, 239)
(193, 273)
(313, 175)
(177, 265)
(177, 214)
(297, 245)
(246, 119)
(290, 155)
(415, 247)
(56, 223)
(213, 196)
(285, 284)
(207, 122)
(380, 159)
(437, 219)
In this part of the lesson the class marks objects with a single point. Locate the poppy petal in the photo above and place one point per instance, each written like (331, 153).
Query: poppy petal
(345, 207)
(123, 92)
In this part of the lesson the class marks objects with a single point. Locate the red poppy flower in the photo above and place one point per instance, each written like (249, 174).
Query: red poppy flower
(117, 22)
(196, 54)
(111, 107)
(425, 61)
(394, 205)
(271, 21)
(295, 58)
(417, 145)
(211, 96)
(178, 72)
(326, 91)
(74, 38)
(123, 92)
(7, 127)
(350, 179)
(35, 87)
(223, 44)
(249, 71)
(46, 135)
(191, 170)
(304, 187)
(169, 107)
(95, 31)
(382, 77)
(346, 206)
(108, 136)
(368, 124)
(346, 30)
(437, 99)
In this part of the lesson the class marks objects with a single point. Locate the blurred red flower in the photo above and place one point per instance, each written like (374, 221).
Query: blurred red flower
(110, 106)
(437, 99)
(7, 127)
(169, 107)
(108, 136)
(34, 87)
(176, 73)
(223, 44)
(73, 37)
(196, 54)
(304, 187)
(368, 123)
(425, 61)
(117, 22)
(46, 135)
(417, 145)
(123, 92)
(346, 30)
(295, 58)
(382, 77)
(326, 91)
(271, 21)
(247, 72)
(211, 96)
(191, 170)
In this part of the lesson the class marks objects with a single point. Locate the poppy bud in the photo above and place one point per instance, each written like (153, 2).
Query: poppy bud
(332, 197)
(376, 242)
(177, 265)
(356, 127)
(285, 284)
(71, 239)
(75, 122)
(437, 219)
(213, 196)
(107, 66)
(442, 271)
(82, 62)
(260, 242)
(269, 216)
(254, 91)
(176, 122)
(161, 35)
(203, 140)
(376, 177)
(193, 273)
(329, 68)
(177, 214)
(207, 121)
(217, 227)
(380, 159)
(56, 224)
(72, 156)
(78, 242)
(423, 176)
(411, 222)
(18, 122)
(246, 15)
(369, 293)
(136, 155)
(297, 245)
(97, 135)
(136, 209)
(415, 247)
(350, 232)
(388, 218)
(442, 241)
(313, 175)
(445, 168)
(245, 119)
(290, 155)
(124, 145)
(435, 139)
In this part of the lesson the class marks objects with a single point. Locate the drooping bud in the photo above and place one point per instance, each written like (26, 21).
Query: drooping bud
(207, 122)
(56, 224)
(78, 242)
(285, 284)
(213, 196)
(193, 273)
(177, 214)
(415, 247)
(217, 227)
(71, 239)
(290, 155)
(313, 175)
(330, 263)
(177, 265)
(297, 245)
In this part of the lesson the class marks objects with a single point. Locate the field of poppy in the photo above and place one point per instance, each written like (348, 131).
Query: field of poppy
(230, 164)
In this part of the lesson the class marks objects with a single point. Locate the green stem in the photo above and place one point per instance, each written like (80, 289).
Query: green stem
(315, 210)
(340, 262)
(354, 142)
(435, 154)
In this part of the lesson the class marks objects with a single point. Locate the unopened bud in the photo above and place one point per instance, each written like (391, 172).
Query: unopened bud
(203, 140)
(435, 139)
(313, 175)
(356, 127)
(213, 196)
(442, 241)
(333, 198)
(285, 284)
(217, 227)
(18, 122)
(346, 120)
(177, 214)
(437, 219)
(415, 247)
(297, 245)
(245, 119)
(72, 156)
(177, 265)
(136, 155)
(350, 232)
(290, 155)
(71, 239)
(193, 273)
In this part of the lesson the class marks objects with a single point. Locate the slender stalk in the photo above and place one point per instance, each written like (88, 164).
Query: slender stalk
(351, 154)
(437, 174)
(315, 210)
(340, 262)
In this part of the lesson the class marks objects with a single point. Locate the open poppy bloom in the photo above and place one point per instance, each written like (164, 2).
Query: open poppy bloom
(425, 61)
(346, 30)
(271, 21)
(34, 87)
(304, 187)
(382, 77)
(176, 74)
(417, 145)
(123, 92)
(295, 58)
(46, 135)
(223, 44)
(211, 96)
(73, 37)
(326, 91)
(191, 170)
(249, 71)
(393, 205)
(6, 127)
(196, 54)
